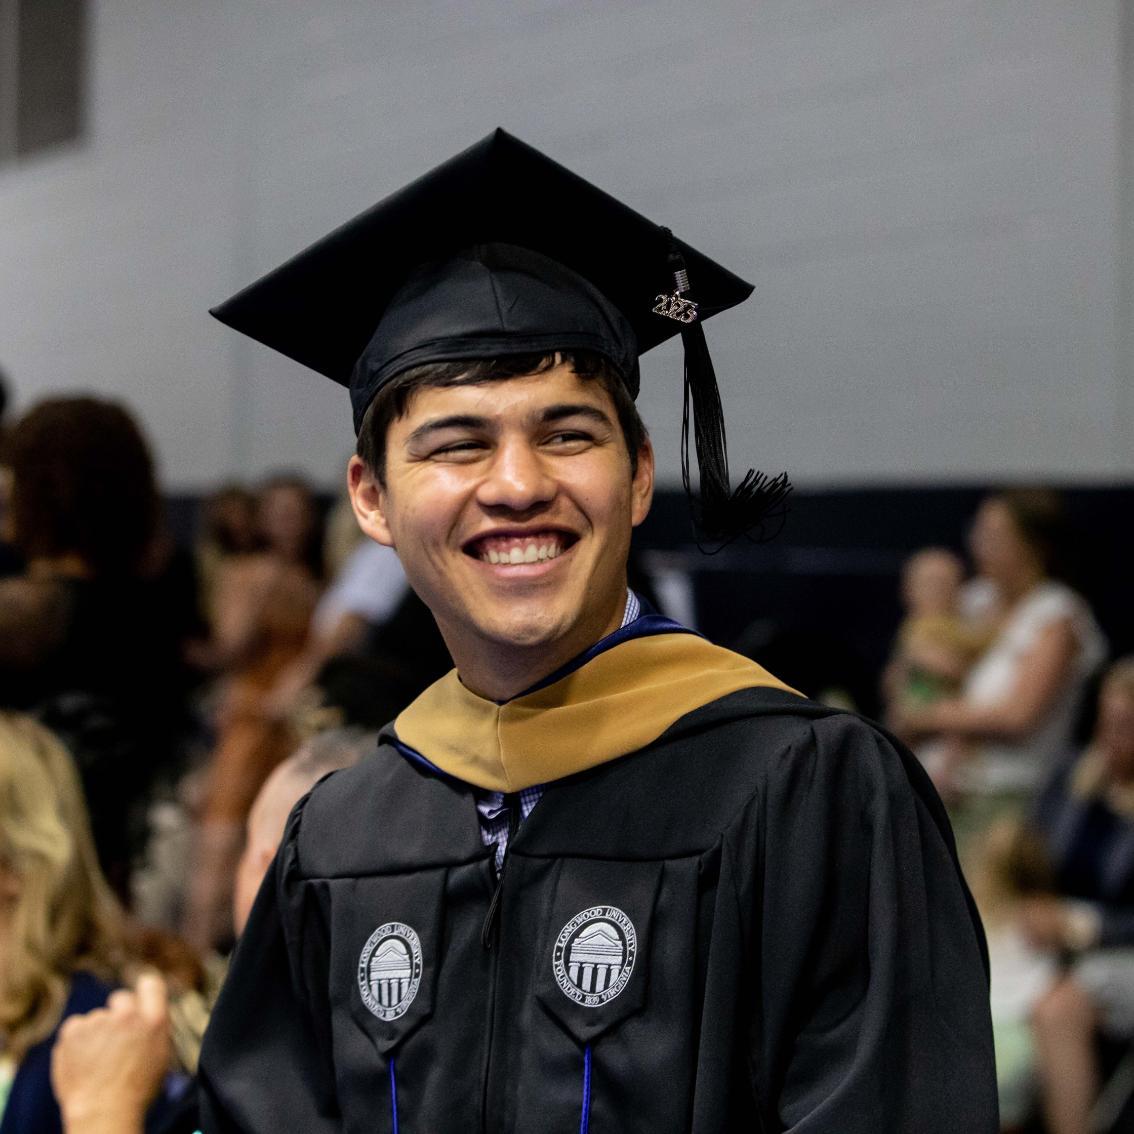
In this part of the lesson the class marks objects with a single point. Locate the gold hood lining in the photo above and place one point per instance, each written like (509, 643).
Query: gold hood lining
(615, 704)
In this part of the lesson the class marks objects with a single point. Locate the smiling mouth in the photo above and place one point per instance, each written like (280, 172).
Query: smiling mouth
(532, 547)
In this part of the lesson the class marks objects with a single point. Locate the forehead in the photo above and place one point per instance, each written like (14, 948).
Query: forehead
(1118, 695)
(934, 563)
(276, 494)
(995, 513)
(505, 399)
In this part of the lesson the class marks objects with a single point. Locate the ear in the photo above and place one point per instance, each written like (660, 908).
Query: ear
(642, 486)
(368, 499)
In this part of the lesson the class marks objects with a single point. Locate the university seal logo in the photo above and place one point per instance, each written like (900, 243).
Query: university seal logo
(389, 970)
(594, 955)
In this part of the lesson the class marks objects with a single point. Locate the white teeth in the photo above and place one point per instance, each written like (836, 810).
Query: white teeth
(531, 553)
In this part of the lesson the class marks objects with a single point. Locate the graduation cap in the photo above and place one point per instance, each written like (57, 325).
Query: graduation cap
(502, 251)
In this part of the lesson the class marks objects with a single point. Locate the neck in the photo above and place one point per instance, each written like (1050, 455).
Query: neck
(499, 671)
(1015, 587)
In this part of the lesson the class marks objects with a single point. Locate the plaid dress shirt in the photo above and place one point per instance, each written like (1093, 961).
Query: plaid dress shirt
(492, 807)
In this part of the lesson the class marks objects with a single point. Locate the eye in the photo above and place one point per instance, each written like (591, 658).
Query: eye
(568, 438)
(457, 450)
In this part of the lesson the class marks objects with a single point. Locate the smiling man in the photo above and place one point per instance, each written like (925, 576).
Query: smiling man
(604, 875)
(510, 501)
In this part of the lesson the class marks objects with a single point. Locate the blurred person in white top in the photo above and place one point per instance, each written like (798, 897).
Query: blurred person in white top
(1014, 717)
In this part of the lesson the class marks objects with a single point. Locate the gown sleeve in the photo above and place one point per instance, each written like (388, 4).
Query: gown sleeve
(265, 1062)
(868, 958)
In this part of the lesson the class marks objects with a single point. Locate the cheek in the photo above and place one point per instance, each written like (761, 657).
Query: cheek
(423, 511)
(607, 512)
(988, 547)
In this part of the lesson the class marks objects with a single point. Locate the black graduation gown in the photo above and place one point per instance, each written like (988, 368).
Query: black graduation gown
(792, 946)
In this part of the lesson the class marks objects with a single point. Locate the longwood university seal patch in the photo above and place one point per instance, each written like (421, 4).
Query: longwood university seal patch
(594, 955)
(389, 970)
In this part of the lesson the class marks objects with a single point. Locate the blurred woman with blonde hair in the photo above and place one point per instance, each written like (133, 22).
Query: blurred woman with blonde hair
(60, 926)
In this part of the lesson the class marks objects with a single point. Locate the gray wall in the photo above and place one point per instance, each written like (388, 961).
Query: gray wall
(933, 200)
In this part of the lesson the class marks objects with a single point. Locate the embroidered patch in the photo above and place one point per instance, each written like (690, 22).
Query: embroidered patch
(594, 955)
(389, 970)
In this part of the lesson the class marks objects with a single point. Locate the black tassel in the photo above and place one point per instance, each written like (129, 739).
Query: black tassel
(756, 507)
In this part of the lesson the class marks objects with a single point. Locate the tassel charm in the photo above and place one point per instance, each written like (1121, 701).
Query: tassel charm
(676, 306)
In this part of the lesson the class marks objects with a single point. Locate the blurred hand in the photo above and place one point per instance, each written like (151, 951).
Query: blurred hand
(107, 1066)
(1044, 922)
(909, 721)
(917, 721)
(278, 704)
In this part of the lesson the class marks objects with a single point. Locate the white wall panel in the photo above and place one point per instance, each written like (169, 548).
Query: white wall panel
(929, 197)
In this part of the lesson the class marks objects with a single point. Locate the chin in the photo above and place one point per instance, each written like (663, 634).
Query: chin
(527, 635)
(531, 626)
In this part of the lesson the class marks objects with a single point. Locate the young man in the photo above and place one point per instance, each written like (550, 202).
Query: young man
(604, 875)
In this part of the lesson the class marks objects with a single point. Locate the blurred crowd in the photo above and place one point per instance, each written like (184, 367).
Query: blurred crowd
(163, 707)
(1000, 684)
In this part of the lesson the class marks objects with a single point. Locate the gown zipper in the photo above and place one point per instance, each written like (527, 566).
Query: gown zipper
(487, 931)
(487, 940)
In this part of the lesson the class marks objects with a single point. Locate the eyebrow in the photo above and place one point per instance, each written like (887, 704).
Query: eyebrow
(582, 409)
(549, 416)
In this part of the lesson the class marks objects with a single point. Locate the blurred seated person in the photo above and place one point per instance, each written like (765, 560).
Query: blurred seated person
(319, 755)
(60, 927)
(227, 531)
(1061, 932)
(108, 1066)
(936, 645)
(365, 593)
(341, 534)
(264, 604)
(367, 689)
(91, 624)
(1014, 717)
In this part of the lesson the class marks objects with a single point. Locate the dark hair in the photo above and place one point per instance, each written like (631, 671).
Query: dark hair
(391, 402)
(214, 520)
(1041, 519)
(83, 483)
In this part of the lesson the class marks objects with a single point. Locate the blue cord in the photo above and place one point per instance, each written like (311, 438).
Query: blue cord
(394, 1095)
(585, 1121)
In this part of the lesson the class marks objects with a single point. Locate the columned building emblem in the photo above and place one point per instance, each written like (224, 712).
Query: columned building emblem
(389, 970)
(594, 955)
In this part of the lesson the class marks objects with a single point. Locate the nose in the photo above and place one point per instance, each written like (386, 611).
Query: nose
(517, 478)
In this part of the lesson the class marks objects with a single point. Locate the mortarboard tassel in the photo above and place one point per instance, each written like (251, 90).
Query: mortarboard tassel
(720, 513)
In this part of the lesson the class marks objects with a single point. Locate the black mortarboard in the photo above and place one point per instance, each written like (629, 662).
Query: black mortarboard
(502, 251)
